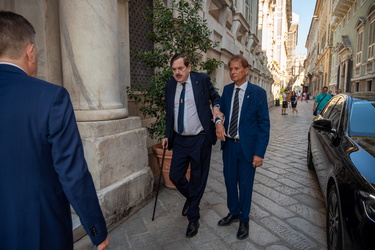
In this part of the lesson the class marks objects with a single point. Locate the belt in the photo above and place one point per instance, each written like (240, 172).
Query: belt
(200, 133)
(233, 139)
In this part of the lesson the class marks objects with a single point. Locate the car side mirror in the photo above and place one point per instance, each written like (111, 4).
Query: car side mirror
(323, 125)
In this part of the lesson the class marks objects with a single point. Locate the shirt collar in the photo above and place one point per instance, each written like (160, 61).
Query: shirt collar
(242, 87)
(12, 64)
(188, 80)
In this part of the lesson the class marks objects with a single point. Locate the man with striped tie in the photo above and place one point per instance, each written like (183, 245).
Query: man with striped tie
(244, 135)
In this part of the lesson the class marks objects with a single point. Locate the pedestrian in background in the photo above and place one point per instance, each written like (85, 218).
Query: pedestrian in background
(244, 135)
(190, 132)
(284, 105)
(321, 100)
(293, 100)
(43, 169)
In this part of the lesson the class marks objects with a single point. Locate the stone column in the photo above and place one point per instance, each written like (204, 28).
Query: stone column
(115, 145)
(89, 31)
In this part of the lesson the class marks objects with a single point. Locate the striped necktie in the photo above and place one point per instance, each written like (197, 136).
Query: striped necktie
(234, 118)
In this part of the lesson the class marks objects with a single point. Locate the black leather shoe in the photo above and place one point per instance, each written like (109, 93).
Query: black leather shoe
(185, 208)
(229, 219)
(192, 229)
(243, 230)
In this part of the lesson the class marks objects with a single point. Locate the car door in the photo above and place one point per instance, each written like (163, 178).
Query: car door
(328, 149)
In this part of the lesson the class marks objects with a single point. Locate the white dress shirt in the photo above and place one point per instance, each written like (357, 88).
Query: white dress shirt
(241, 95)
(192, 124)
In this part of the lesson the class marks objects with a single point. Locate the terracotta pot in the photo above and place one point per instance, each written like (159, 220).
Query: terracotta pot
(158, 151)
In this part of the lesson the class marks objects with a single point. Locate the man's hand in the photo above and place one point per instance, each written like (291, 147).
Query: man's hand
(220, 131)
(164, 143)
(257, 161)
(217, 113)
(104, 244)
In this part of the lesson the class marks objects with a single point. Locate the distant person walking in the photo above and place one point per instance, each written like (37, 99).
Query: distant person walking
(293, 101)
(284, 105)
(307, 97)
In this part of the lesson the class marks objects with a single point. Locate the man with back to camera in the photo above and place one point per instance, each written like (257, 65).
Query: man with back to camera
(244, 135)
(190, 131)
(43, 169)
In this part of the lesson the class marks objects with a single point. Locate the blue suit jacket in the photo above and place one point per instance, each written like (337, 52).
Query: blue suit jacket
(254, 124)
(204, 95)
(42, 167)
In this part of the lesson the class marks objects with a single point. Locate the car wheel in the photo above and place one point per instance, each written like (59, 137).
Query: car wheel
(310, 163)
(334, 233)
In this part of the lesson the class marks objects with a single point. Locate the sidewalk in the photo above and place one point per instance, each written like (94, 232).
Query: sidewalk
(287, 212)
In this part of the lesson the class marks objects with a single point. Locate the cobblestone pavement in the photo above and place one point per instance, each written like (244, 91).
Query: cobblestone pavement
(287, 211)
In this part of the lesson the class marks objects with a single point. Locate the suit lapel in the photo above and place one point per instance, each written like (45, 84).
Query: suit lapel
(229, 96)
(172, 95)
(246, 100)
(196, 88)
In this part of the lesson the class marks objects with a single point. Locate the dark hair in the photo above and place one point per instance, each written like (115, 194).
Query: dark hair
(15, 33)
(325, 87)
(239, 58)
(178, 56)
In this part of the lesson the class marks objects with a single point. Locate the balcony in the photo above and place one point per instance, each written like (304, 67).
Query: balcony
(340, 7)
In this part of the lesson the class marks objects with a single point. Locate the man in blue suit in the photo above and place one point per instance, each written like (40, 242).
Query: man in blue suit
(42, 169)
(190, 131)
(244, 136)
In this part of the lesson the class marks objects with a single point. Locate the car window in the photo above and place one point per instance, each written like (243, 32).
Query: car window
(362, 118)
(329, 107)
(335, 115)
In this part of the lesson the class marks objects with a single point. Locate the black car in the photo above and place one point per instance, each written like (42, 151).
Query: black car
(341, 149)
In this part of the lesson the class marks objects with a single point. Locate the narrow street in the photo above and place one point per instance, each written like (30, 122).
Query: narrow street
(287, 211)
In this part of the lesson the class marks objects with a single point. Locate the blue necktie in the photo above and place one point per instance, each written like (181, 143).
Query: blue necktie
(234, 118)
(181, 108)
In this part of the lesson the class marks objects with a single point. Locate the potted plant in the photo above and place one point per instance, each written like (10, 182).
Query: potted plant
(179, 29)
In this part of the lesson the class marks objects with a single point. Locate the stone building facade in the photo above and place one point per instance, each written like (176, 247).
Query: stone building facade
(234, 25)
(341, 46)
(277, 40)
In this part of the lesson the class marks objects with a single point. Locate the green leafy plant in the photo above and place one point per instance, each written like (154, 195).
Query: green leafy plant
(179, 29)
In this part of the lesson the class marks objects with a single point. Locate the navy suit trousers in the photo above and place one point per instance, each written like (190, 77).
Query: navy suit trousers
(196, 151)
(239, 178)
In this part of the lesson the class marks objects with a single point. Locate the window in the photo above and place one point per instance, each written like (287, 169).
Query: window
(359, 47)
(335, 115)
(371, 40)
(355, 7)
(328, 108)
(357, 87)
(362, 118)
(332, 110)
(247, 10)
(368, 86)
